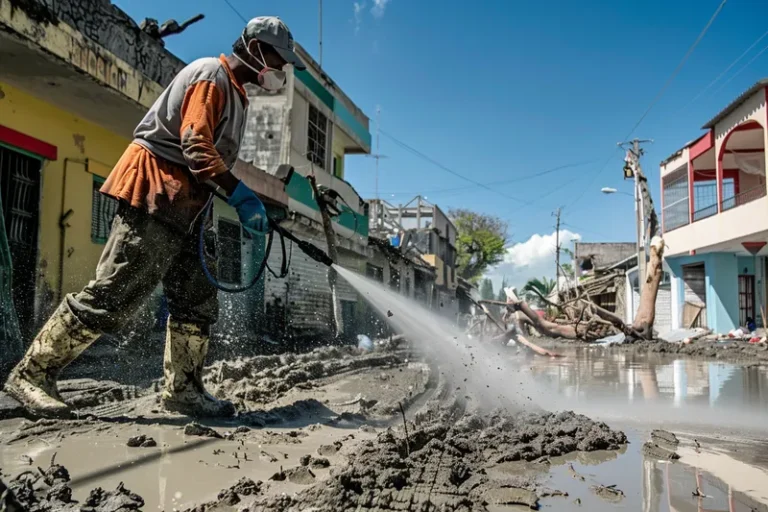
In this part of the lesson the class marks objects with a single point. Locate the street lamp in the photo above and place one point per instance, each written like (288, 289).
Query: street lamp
(610, 190)
(639, 220)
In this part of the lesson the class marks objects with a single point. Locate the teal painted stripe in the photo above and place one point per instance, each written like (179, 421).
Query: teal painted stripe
(355, 126)
(338, 108)
(300, 190)
(316, 87)
(354, 221)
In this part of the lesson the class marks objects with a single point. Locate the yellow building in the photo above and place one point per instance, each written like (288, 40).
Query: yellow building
(68, 105)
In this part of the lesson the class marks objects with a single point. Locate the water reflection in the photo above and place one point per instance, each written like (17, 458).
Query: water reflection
(681, 488)
(595, 375)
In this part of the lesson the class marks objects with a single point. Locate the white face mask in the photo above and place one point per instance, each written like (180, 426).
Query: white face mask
(269, 78)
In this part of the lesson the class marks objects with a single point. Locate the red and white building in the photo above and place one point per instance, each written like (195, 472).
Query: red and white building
(715, 216)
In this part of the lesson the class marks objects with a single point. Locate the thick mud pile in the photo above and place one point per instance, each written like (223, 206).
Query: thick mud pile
(264, 379)
(441, 461)
(48, 491)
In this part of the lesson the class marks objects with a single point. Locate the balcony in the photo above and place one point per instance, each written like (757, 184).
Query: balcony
(743, 198)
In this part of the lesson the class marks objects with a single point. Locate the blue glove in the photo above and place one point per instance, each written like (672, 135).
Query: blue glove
(250, 210)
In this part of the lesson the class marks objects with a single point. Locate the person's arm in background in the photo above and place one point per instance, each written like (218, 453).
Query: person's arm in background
(201, 112)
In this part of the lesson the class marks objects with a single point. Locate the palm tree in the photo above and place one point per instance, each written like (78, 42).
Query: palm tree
(537, 289)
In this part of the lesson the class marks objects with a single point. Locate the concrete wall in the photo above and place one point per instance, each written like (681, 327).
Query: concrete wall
(674, 162)
(604, 254)
(267, 130)
(113, 29)
(722, 284)
(76, 141)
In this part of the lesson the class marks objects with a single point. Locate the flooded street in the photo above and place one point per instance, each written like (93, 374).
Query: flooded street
(721, 406)
(654, 389)
(316, 441)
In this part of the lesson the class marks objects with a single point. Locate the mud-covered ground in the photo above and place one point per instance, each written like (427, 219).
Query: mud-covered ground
(334, 429)
(730, 351)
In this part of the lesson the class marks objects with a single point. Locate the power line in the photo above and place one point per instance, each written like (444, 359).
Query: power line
(677, 69)
(446, 169)
(745, 66)
(658, 96)
(499, 182)
(730, 66)
(234, 9)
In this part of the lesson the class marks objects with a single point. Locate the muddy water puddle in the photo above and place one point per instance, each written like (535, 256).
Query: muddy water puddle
(181, 470)
(654, 389)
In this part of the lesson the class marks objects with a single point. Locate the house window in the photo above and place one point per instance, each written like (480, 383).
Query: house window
(675, 194)
(337, 167)
(317, 136)
(230, 255)
(103, 211)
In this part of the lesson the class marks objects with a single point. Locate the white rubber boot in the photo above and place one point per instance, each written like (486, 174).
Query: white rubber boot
(33, 381)
(183, 392)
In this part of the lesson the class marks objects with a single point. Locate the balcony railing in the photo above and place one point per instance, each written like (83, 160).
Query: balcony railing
(744, 197)
(705, 212)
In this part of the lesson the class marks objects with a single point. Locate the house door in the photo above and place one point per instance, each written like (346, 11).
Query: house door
(746, 298)
(20, 186)
(695, 302)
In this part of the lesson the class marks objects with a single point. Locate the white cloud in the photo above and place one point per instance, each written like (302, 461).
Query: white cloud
(379, 6)
(358, 8)
(533, 258)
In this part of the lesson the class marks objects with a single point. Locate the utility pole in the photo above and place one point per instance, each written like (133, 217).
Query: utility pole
(557, 252)
(320, 31)
(378, 156)
(378, 147)
(633, 169)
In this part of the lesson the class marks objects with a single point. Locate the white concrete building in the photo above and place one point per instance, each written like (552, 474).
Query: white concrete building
(715, 216)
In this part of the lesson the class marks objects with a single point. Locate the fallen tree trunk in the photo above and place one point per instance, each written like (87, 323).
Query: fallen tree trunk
(646, 312)
(503, 328)
(593, 322)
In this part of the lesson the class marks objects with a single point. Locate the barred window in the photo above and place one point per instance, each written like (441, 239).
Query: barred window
(676, 202)
(103, 211)
(230, 252)
(317, 129)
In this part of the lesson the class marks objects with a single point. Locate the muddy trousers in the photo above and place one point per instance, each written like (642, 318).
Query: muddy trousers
(141, 253)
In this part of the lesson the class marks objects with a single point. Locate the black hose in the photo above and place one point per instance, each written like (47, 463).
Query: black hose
(201, 253)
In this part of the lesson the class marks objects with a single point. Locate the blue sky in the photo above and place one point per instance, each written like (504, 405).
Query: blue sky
(497, 90)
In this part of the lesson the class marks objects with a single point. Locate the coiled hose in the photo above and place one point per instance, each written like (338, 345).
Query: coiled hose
(201, 253)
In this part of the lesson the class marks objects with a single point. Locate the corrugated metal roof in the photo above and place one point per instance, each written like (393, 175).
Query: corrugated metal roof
(736, 103)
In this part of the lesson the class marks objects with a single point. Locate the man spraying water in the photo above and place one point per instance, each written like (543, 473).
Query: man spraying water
(189, 138)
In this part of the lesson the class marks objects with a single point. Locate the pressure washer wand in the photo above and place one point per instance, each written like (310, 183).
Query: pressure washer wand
(307, 248)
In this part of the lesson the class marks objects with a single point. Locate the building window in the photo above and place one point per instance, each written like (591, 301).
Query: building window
(317, 138)
(337, 167)
(103, 210)
(230, 255)
(676, 203)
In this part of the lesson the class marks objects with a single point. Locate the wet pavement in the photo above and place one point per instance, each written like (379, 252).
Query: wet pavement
(719, 412)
